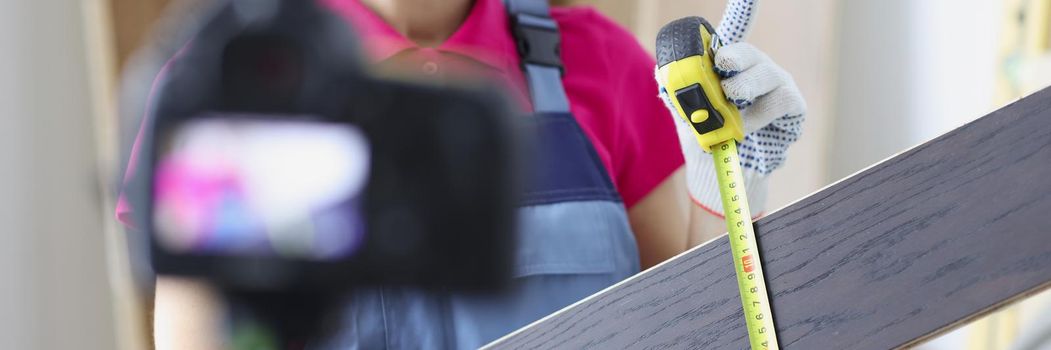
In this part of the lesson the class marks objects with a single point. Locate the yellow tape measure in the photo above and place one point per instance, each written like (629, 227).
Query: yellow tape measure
(686, 70)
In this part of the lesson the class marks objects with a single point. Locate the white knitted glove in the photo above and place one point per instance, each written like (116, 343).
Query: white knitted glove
(772, 109)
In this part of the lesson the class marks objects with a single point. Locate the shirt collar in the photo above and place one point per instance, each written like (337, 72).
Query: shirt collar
(484, 35)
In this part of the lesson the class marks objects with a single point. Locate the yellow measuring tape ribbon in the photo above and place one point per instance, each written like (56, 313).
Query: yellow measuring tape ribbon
(744, 248)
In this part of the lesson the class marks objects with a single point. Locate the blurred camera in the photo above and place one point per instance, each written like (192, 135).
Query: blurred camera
(274, 161)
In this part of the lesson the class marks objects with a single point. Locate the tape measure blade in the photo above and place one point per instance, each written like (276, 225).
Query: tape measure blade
(745, 249)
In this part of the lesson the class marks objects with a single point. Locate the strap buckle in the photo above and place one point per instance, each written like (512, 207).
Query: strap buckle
(538, 41)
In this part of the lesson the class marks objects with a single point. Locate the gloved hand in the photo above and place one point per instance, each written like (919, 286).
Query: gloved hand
(772, 109)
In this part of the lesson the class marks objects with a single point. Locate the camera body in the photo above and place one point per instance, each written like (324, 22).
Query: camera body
(275, 162)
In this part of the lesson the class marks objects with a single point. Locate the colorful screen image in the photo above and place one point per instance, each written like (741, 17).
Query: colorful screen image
(287, 187)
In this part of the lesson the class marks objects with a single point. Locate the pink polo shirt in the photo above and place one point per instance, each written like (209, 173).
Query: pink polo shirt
(608, 80)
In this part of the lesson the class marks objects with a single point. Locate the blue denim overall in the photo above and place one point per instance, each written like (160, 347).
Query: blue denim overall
(574, 238)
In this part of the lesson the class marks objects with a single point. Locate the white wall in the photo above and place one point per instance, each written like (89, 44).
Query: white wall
(909, 71)
(876, 96)
(54, 291)
(956, 54)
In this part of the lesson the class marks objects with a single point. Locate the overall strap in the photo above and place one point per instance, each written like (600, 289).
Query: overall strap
(537, 37)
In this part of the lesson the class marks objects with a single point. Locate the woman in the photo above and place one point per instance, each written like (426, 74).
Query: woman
(617, 198)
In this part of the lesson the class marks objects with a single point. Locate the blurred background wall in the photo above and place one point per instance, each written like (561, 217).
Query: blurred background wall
(879, 77)
(54, 288)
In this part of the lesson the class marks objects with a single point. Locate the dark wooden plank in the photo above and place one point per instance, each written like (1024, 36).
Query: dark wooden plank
(905, 249)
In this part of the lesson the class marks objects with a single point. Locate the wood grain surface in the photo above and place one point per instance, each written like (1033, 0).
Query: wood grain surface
(908, 248)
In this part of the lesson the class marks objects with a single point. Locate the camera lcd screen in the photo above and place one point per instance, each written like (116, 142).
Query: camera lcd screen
(287, 188)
